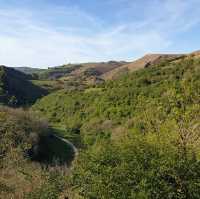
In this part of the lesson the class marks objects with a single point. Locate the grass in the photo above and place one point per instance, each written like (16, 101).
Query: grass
(93, 90)
(49, 85)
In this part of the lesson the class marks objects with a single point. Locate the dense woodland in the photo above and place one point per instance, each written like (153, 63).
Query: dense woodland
(138, 138)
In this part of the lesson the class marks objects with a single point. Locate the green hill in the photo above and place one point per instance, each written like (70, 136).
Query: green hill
(27, 149)
(139, 134)
(122, 99)
(16, 88)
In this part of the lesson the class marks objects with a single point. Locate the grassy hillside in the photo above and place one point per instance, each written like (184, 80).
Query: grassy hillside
(122, 99)
(16, 88)
(79, 76)
(31, 159)
(71, 76)
(79, 69)
(146, 61)
(49, 85)
(140, 133)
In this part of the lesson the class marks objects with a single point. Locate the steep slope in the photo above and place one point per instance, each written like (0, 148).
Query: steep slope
(16, 88)
(146, 61)
(141, 132)
(118, 100)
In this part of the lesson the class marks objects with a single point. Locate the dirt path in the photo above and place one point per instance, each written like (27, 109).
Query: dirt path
(75, 150)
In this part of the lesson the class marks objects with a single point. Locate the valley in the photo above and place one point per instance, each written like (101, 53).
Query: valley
(102, 130)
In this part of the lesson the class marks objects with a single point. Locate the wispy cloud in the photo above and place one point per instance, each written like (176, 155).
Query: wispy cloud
(63, 34)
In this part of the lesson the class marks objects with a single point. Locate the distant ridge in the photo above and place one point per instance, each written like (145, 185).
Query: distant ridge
(95, 72)
(28, 70)
(146, 61)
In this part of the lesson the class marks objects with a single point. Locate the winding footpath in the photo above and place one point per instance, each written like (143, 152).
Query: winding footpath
(75, 150)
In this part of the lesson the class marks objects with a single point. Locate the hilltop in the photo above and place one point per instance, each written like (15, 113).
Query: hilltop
(146, 61)
(83, 74)
(97, 72)
(17, 82)
(80, 76)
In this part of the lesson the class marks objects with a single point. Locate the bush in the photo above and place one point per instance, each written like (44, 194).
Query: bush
(136, 168)
(20, 130)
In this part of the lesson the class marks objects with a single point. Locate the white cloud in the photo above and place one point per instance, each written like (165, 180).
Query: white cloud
(60, 35)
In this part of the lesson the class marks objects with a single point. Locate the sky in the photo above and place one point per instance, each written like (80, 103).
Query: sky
(43, 33)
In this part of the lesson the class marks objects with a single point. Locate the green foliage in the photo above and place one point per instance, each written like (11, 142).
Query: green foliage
(21, 132)
(19, 129)
(33, 161)
(16, 88)
(172, 87)
(49, 85)
(136, 168)
(139, 136)
(140, 133)
(51, 189)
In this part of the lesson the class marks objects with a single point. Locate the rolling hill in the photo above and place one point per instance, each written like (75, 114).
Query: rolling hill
(92, 73)
(146, 61)
(110, 97)
(84, 73)
(72, 76)
(139, 133)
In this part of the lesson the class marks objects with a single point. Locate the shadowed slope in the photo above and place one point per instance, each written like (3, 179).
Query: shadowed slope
(16, 88)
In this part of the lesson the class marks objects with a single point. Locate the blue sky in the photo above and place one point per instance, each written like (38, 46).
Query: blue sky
(44, 33)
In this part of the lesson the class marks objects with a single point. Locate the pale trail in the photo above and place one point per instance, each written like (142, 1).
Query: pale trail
(75, 150)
